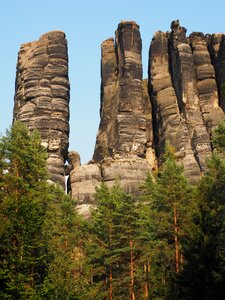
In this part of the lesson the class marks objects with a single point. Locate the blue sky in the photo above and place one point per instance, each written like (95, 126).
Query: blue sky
(87, 24)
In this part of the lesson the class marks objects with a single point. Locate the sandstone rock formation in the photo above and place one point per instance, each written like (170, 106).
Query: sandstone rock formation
(123, 129)
(169, 122)
(179, 105)
(42, 96)
(125, 136)
(183, 91)
(206, 81)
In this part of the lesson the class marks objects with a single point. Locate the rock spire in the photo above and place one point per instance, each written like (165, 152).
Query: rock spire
(42, 96)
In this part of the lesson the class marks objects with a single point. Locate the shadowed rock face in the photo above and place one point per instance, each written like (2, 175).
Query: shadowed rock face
(42, 96)
(169, 121)
(216, 44)
(183, 67)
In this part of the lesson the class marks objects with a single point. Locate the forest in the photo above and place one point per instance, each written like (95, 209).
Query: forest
(166, 243)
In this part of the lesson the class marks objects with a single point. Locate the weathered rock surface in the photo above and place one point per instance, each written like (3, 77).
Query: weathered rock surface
(179, 105)
(184, 78)
(83, 181)
(206, 82)
(169, 123)
(42, 96)
(130, 173)
(123, 129)
(125, 136)
(184, 96)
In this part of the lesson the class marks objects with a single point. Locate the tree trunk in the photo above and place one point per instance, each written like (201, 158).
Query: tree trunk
(132, 270)
(110, 283)
(110, 267)
(146, 286)
(176, 239)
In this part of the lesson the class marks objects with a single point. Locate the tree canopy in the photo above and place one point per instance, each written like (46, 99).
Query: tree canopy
(165, 243)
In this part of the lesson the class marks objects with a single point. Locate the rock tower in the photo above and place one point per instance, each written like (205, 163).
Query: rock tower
(125, 136)
(42, 96)
(183, 91)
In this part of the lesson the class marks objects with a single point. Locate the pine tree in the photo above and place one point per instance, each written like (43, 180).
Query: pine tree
(168, 197)
(114, 247)
(127, 248)
(64, 234)
(22, 206)
(102, 230)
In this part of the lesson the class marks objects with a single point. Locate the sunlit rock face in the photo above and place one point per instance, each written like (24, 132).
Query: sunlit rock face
(180, 104)
(184, 95)
(124, 145)
(42, 96)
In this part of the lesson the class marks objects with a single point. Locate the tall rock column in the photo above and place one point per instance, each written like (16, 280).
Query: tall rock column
(169, 121)
(131, 121)
(184, 80)
(107, 135)
(206, 82)
(124, 145)
(123, 128)
(42, 96)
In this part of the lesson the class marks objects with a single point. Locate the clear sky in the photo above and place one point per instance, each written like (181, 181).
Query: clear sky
(86, 24)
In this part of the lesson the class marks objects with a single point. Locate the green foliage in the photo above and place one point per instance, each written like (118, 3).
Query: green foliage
(40, 232)
(223, 89)
(168, 196)
(114, 244)
(166, 244)
(218, 138)
(203, 276)
(64, 233)
(22, 205)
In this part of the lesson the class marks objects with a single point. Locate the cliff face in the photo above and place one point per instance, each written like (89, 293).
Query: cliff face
(179, 104)
(42, 96)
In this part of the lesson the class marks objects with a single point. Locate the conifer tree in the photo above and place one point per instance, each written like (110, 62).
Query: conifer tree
(168, 196)
(102, 229)
(218, 137)
(64, 234)
(114, 248)
(127, 247)
(22, 206)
